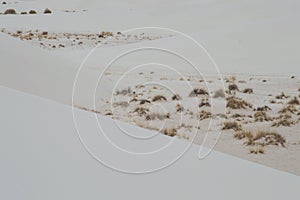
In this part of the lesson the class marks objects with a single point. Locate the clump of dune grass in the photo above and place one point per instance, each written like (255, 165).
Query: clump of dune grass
(176, 97)
(159, 116)
(263, 108)
(261, 138)
(294, 101)
(204, 102)
(248, 91)
(47, 11)
(288, 109)
(144, 101)
(141, 111)
(257, 150)
(123, 91)
(10, 11)
(179, 108)
(159, 98)
(281, 96)
(197, 92)
(123, 104)
(105, 34)
(233, 87)
(231, 125)
(32, 12)
(23, 13)
(237, 103)
(204, 115)
(260, 116)
(170, 132)
(219, 94)
(283, 122)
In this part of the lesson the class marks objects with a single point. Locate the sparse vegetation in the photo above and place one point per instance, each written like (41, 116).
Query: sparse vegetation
(237, 103)
(248, 91)
(282, 96)
(264, 108)
(159, 98)
(176, 97)
(159, 116)
(204, 115)
(233, 87)
(231, 125)
(10, 12)
(197, 92)
(23, 13)
(261, 116)
(123, 104)
(288, 109)
(283, 122)
(257, 150)
(170, 132)
(179, 108)
(294, 101)
(204, 103)
(143, 101)
(32, 12)
(141, 111)
(47, 11)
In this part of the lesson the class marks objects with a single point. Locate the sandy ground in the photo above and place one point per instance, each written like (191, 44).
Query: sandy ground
(246, 48)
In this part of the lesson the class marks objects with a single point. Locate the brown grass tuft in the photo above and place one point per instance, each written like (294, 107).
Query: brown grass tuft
(231, 125)
(282, 96)
(261, 116)
(32, 12)
(159, 98)
(233, 87)
(237, 103)
(47, 11)
(176, 97)
(294, 101)
(198, 91)
(170, 132)
(204, 115)
(248, 91)
(10, 12)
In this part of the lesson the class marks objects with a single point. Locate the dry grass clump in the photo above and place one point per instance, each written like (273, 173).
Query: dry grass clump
(219, 94)
(123, 104)
(288, 109)
(237, 103)
(231, 125)
(32, 12)
(233, 87)
(143, 101)
(10, 11)
(23, 13)
(124, 91)
(141, 111)
(248, 91)
(159, 116)
(204, 103)
(179, 108)
(261, 116)
(282, 96)
(47, 11)
(104, 34)
(283, 122)
(159, 98)
(204, 115)
(170, 132)
(294, 101)
(261, 138)
(264, 108)
(198, 91)
(176, 97)
(258, 150)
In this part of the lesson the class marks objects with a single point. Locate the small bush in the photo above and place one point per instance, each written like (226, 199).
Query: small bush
(179, 108)
(248, 91)
(219, 94)
(32, 12)
(198, 91)
(282, 96)
(294, 101)
(204, 115)
(288, 109)
(23, 13)
(10, 12)
(283, 122)
(264, 108)
(143, 101)
(204, 103)
(159, 98)
(159, 116)
(105, 34)
(258, 150)
(261, 116)
(141, 111)
(47, 11)
(176, 97)
(237, 103)
(170, 132)
(233, 87)
(231, 125)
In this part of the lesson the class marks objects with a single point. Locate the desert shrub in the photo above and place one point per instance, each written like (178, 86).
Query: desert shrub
(231, 125)
(248, 91)
(159, 98)
(233, 87)
(283, 122)
(204, 115)
(237, 103)
(10, 12)
(32, 12)
(219, 94)
(258, 150)
(170, 132)
(198, 91)
(23, 13)
(179, 108)
(159, 116)
(141, 111)
(104, 34)
(269, 138)
(123, 104)
(143, 101)
(281, 96)
(47, 11)
(4, 2)
(264, 108)
(176, 97)
(294, 101)
(272, 101)
(236, 115)
(288, 109)
(124, 91)
(261, 116)
(204, 103)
